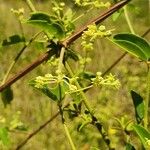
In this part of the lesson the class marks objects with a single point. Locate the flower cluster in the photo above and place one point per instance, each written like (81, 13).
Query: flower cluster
(109, 80)
(58, 8)
(63, 16)
(83, 61)
(19, 13)
(40, 81)
(147, 142)
(93, 3)
(93, 32)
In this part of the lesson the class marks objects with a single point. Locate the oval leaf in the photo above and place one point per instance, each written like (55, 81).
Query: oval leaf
(60, 90)
(40, 16)
(131, 48)
(14, 39)
(48, 24)
(138, 105)
(48, 93)
(143, 134)
(7, 96)
(56, 93)
(133, 44)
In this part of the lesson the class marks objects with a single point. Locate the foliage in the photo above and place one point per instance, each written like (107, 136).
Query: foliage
(69, 79)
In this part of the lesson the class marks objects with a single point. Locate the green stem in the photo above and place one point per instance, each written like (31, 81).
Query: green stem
(85, 101)
(61, 59)
(65, 127)
(82, 89)
(60, 65)
(148, 12)
(128, 20)
(69, 137)
(147, 98)
(18, 56)
(95, 121)
(31, 6)
(83, 14)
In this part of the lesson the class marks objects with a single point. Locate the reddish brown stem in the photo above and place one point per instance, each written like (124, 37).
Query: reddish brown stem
(26, 70)
(65, 43)
(96, 20)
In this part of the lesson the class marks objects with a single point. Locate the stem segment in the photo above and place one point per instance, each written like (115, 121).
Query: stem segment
(95, 121)
(147, 98)
(128, 20)
(69, 137)
(31, 6)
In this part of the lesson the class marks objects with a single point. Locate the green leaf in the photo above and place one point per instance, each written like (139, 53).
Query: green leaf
(48, 24)
(70, 54)
(48, 93)
(7, 96)
(82, 125)
(39, 45)
(138, 105)
(130, 147)
(4, 136)
(59, 90)
(143, 134)
(133, 44)
(56, 93)
(14, 39)
(132, 49)
(87, 75)
(45, 90)
(40, 16)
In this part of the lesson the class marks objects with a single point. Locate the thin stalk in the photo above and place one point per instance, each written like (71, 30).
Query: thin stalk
(61, 59)
(60, 65)
(21, 28)
(147, 97)
(82, 89)
(63, 122)
(95, 121)
(85, 101)
(83, 14)
(30, 5)
(69, 137)
(128, 20)
(149, 12)
(17, 57)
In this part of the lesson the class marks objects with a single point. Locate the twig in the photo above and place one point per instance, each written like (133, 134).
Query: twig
(128, 20)
(30, 5)
(65, 43)
(26, 70)
(97, 20)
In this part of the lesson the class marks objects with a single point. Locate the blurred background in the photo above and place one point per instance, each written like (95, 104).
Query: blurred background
(35, 108)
